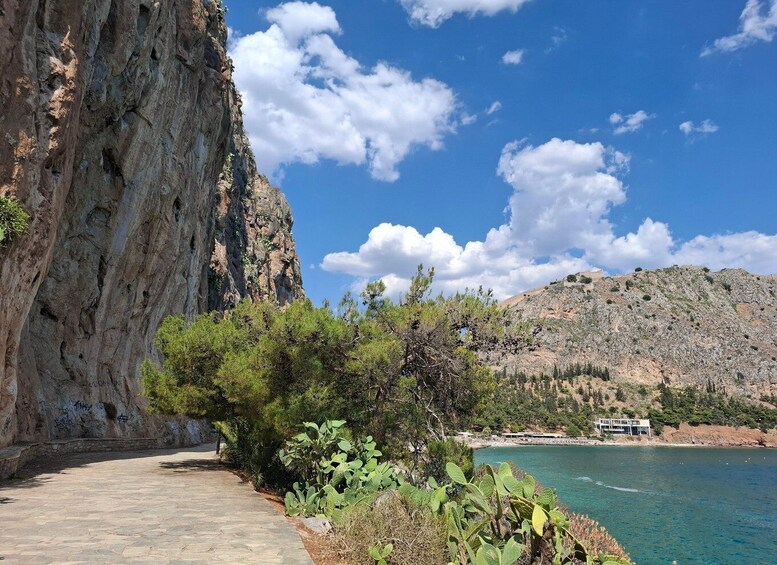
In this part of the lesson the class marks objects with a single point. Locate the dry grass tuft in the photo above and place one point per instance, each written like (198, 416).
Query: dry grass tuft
(418, 536)
(594, 536)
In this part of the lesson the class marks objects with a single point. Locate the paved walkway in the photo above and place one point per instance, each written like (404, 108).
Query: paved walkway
(161, 507)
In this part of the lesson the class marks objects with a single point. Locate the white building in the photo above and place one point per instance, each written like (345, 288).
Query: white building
(624, 426)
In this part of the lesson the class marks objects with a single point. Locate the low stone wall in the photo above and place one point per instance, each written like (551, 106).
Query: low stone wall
(15, 457)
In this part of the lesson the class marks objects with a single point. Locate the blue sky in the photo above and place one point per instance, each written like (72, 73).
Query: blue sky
(511, 145)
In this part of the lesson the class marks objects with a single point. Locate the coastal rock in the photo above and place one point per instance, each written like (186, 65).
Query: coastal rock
(118, 123)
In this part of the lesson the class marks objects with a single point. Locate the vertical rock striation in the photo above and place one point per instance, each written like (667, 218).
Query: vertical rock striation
(121, 135)
(254, 253)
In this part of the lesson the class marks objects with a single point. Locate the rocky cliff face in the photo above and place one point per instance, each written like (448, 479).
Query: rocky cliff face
(121, 135)
(679, 326)
(254, 253)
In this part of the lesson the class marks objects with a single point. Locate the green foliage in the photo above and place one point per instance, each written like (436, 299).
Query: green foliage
(337, 471)
(190, 380)
(497, 519)
(770, 398)
(221, 10)
(492, 519)
(380, 552)
(267, 243)
(14, 220)
(586, 280)
(578, 369)
(638, 269)
(248, 449)
(695, 407)
(571, 278)
(522, 401)
(646, 297)
(258, 370)
(573, 431)
(227, 172)
(404, 372)
(439, 453)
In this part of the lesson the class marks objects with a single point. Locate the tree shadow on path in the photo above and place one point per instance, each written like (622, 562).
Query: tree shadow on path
(193, 465)
(38, 473)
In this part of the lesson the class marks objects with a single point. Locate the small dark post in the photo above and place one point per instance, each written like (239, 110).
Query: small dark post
(218, 441)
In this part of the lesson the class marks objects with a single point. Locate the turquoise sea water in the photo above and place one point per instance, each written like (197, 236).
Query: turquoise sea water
(697, 506)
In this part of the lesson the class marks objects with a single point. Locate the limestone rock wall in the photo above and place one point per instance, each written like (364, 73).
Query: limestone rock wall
(254, 253)
(678, 326)
(117, 122)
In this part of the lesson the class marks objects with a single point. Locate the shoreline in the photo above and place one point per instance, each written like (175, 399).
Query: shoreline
(486, 443)
(685, 435)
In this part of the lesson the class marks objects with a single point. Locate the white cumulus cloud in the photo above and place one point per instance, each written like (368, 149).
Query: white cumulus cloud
(751, 250)
(432, 13)
(707, 126)
(304, 99)
(558, 223)
(513, 57)
(757, 22)
(301, 19)
(630, 122)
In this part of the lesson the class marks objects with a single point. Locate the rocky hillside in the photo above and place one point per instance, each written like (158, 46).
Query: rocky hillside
(678, 326)
(121, 135)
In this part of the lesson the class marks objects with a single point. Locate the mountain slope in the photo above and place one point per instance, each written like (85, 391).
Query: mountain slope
(677, 326)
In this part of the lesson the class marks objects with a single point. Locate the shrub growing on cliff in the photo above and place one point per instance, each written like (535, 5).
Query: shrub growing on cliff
(13, 220)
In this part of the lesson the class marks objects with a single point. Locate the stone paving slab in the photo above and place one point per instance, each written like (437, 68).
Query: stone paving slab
(160, 507)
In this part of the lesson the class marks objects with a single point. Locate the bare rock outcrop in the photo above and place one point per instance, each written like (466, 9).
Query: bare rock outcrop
(678, 326)
(118, 122)
(254, 253)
